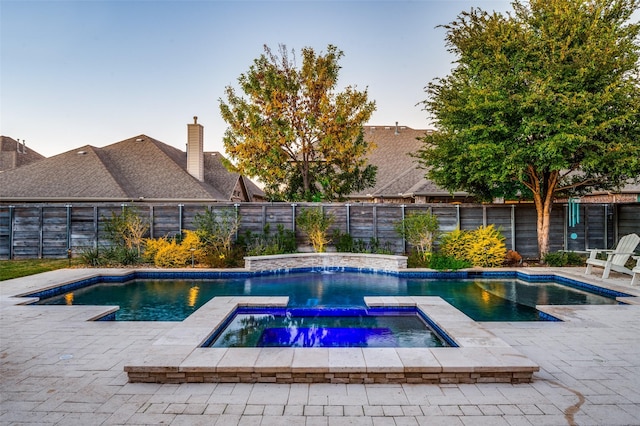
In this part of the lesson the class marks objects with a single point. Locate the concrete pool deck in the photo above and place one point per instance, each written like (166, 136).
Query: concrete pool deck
(58, 368)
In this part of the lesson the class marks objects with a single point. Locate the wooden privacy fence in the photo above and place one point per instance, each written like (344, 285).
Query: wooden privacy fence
(51, 230)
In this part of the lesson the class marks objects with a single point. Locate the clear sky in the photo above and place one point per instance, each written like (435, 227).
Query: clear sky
(91, 72)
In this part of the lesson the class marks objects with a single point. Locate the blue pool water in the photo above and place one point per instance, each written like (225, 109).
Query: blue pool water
(326, 327)
(480, 299)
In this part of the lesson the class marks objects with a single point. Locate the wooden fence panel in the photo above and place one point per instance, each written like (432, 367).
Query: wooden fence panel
(41, 230)
(26, 232)
(388, 216)
(83, 228)
(105, 213)
(447, 216)
(628, 216)
(472, 218)
(279, 214)
(526, 235)
(166, 221)
(596, 227)
(362, 222)
(500, 218)
(253, 217)
(55, 237)
(5, 232)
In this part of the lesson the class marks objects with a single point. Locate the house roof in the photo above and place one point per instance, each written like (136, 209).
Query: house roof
(14, 154)
(137, 168)
(398, 173)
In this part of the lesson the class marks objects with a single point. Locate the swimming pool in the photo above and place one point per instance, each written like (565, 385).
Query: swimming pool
(486, 299)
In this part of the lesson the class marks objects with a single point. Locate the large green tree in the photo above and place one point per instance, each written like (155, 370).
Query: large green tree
(294, 131)
(543, 102)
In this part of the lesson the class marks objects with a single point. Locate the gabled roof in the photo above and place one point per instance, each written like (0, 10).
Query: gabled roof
(137, 168)
(398, 173)
(14, 154)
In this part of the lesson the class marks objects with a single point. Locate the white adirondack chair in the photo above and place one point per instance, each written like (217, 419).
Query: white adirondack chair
(636, 272)
(615, 258)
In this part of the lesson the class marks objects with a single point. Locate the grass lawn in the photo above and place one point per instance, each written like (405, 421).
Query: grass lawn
(21, 268)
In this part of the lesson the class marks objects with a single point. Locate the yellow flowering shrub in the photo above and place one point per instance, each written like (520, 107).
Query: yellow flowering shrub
(455, 244)
(484, 247)
(166, 253)
(487, 248)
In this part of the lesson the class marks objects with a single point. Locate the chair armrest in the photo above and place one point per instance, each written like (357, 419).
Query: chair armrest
(594, 252)
(637, 258)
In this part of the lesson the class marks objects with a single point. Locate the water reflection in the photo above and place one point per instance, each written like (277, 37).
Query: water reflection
(285, 330)
(193, 296)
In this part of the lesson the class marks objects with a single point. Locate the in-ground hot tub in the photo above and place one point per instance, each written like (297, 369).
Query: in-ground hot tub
(380, 327)
(480, 356)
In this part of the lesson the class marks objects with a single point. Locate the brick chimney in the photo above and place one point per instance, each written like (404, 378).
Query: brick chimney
(195, 148)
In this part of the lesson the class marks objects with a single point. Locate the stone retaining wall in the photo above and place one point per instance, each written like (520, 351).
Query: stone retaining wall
(379, 262)
(360, 377)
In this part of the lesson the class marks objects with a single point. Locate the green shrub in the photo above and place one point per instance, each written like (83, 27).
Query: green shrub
(217, 232)
(564, 258)
(315, 224)
(441, 262)
(126, 229)
(92, 256)
(415, 259)
(345, 243)
(266, 243)
(118, 255)
(420, 230)
(576, 259)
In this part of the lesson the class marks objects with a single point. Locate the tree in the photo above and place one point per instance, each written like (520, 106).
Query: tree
(294, 132)
(543, 102)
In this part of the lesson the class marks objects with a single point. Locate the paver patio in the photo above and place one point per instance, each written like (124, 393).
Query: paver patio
(58, 368)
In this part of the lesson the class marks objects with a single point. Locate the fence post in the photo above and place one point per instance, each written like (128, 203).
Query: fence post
(68, 206)
(293, 218)
(11, 220)
(96, 227)
(375, 221)
(236, 206)
(565, 226)
(484, 216)
(404, 241)
(348, 206)
(151, 212)
(513, 227)
(41, 226)
(606, 228)
(586, 230)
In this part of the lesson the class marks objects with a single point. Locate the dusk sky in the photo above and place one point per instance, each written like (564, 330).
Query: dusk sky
(87, 72)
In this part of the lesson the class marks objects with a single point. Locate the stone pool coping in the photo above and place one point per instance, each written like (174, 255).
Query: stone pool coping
(480, 358)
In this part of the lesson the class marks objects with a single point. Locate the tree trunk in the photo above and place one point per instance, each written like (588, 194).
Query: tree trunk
(543, 227)
(543, 186)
